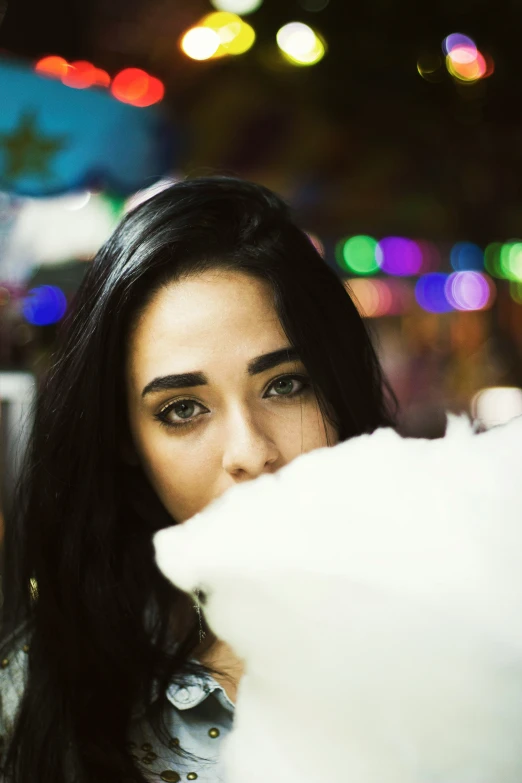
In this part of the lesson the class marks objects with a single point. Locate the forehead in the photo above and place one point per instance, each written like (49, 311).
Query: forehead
(214, 316)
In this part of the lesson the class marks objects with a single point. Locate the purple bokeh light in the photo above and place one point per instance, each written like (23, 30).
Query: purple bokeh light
(467, 291)
(399, 256)
(457, 40)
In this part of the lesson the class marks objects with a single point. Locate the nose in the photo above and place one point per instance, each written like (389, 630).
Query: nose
(249, 451)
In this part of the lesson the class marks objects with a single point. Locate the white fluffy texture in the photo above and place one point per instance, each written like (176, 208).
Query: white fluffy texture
(374, 591)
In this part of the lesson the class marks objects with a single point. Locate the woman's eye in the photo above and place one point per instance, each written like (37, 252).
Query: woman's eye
(287, 386)
(180, 413)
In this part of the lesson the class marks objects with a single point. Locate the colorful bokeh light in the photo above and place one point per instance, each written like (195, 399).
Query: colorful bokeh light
(455, 40)
(376, 298)
(357, 255)
(235, 35)
(242, 7)
(466, 256)
(52, 66)
(399, 256)
(137, 87)
(469, 291)
(431, 259)
(44, 305)
(464, 61)
(80, 74)
(430, 293)
(200, 43)
(300, 44)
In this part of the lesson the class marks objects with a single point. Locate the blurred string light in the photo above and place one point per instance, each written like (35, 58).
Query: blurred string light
(429, 67)
(137, 87)
(442, 293)
(515, 291)
(399, 256)
(469, 291)
(79, 74)
(44, 305)
(430, 293)
(200, 43)
(504, 260)
(357, 255)
(465, 256)
(216, 35)
(235, 35)
(496, 405)
(241, 7)
(464, 61)
(299, 44)
(377, 298)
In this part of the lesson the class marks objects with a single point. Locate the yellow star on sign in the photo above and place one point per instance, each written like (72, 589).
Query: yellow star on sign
(27, 151)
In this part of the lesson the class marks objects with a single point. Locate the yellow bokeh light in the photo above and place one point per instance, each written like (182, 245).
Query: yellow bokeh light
(200, 43)
(235, 35)
(300, 44)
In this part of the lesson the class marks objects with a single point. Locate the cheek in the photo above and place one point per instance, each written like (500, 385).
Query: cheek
(181, 476)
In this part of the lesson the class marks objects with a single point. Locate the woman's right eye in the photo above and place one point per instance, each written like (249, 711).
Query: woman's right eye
(180, 413)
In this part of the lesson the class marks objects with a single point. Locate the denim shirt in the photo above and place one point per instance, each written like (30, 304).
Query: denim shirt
(198, 717)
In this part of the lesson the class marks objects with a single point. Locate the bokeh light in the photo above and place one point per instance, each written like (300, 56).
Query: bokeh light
(80, 74)
(511, 261)
(134, 86)
(464, 61)
(357, 255)
(242, 7)
(200, 43)
(496, 405)
(492, 259)
(466, 256)
(398, 256)
(466, 64)
(235, 35)
(455, 40)
(469, 291)
(430, 293)
(430, 254)
(44, 305)
(515, 291)
(52, 66)
(376, 298)
(101, 78)
(429, 67)
(300, 44)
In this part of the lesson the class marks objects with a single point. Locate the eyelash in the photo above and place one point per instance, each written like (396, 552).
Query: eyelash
(162, 415)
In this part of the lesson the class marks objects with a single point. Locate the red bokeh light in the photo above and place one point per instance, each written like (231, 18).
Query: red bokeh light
(52, 66)
(102, 78)
(134, 86)
(80, 74)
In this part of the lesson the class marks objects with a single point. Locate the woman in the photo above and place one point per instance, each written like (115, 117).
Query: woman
(209, 343)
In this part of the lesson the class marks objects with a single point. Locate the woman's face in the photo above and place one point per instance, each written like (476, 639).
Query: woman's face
(214, 398)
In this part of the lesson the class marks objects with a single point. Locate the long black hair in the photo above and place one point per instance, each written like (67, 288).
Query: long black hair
(105, 625)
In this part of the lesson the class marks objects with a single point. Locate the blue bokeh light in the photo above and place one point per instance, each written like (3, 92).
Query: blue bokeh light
(467, 257)
(430, 293)
(44, 305)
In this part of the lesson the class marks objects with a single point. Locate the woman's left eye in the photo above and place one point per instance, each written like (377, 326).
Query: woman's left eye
(288, 386)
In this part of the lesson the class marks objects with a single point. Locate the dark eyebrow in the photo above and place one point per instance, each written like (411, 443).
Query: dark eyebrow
(187, 379)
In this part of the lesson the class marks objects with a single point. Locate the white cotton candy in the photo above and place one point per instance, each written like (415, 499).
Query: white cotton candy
(374, 591)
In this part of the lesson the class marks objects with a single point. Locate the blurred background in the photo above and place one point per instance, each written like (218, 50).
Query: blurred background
(394, 128)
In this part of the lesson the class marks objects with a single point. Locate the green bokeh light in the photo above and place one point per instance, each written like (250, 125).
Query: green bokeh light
(492, 259)
(357, 255)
